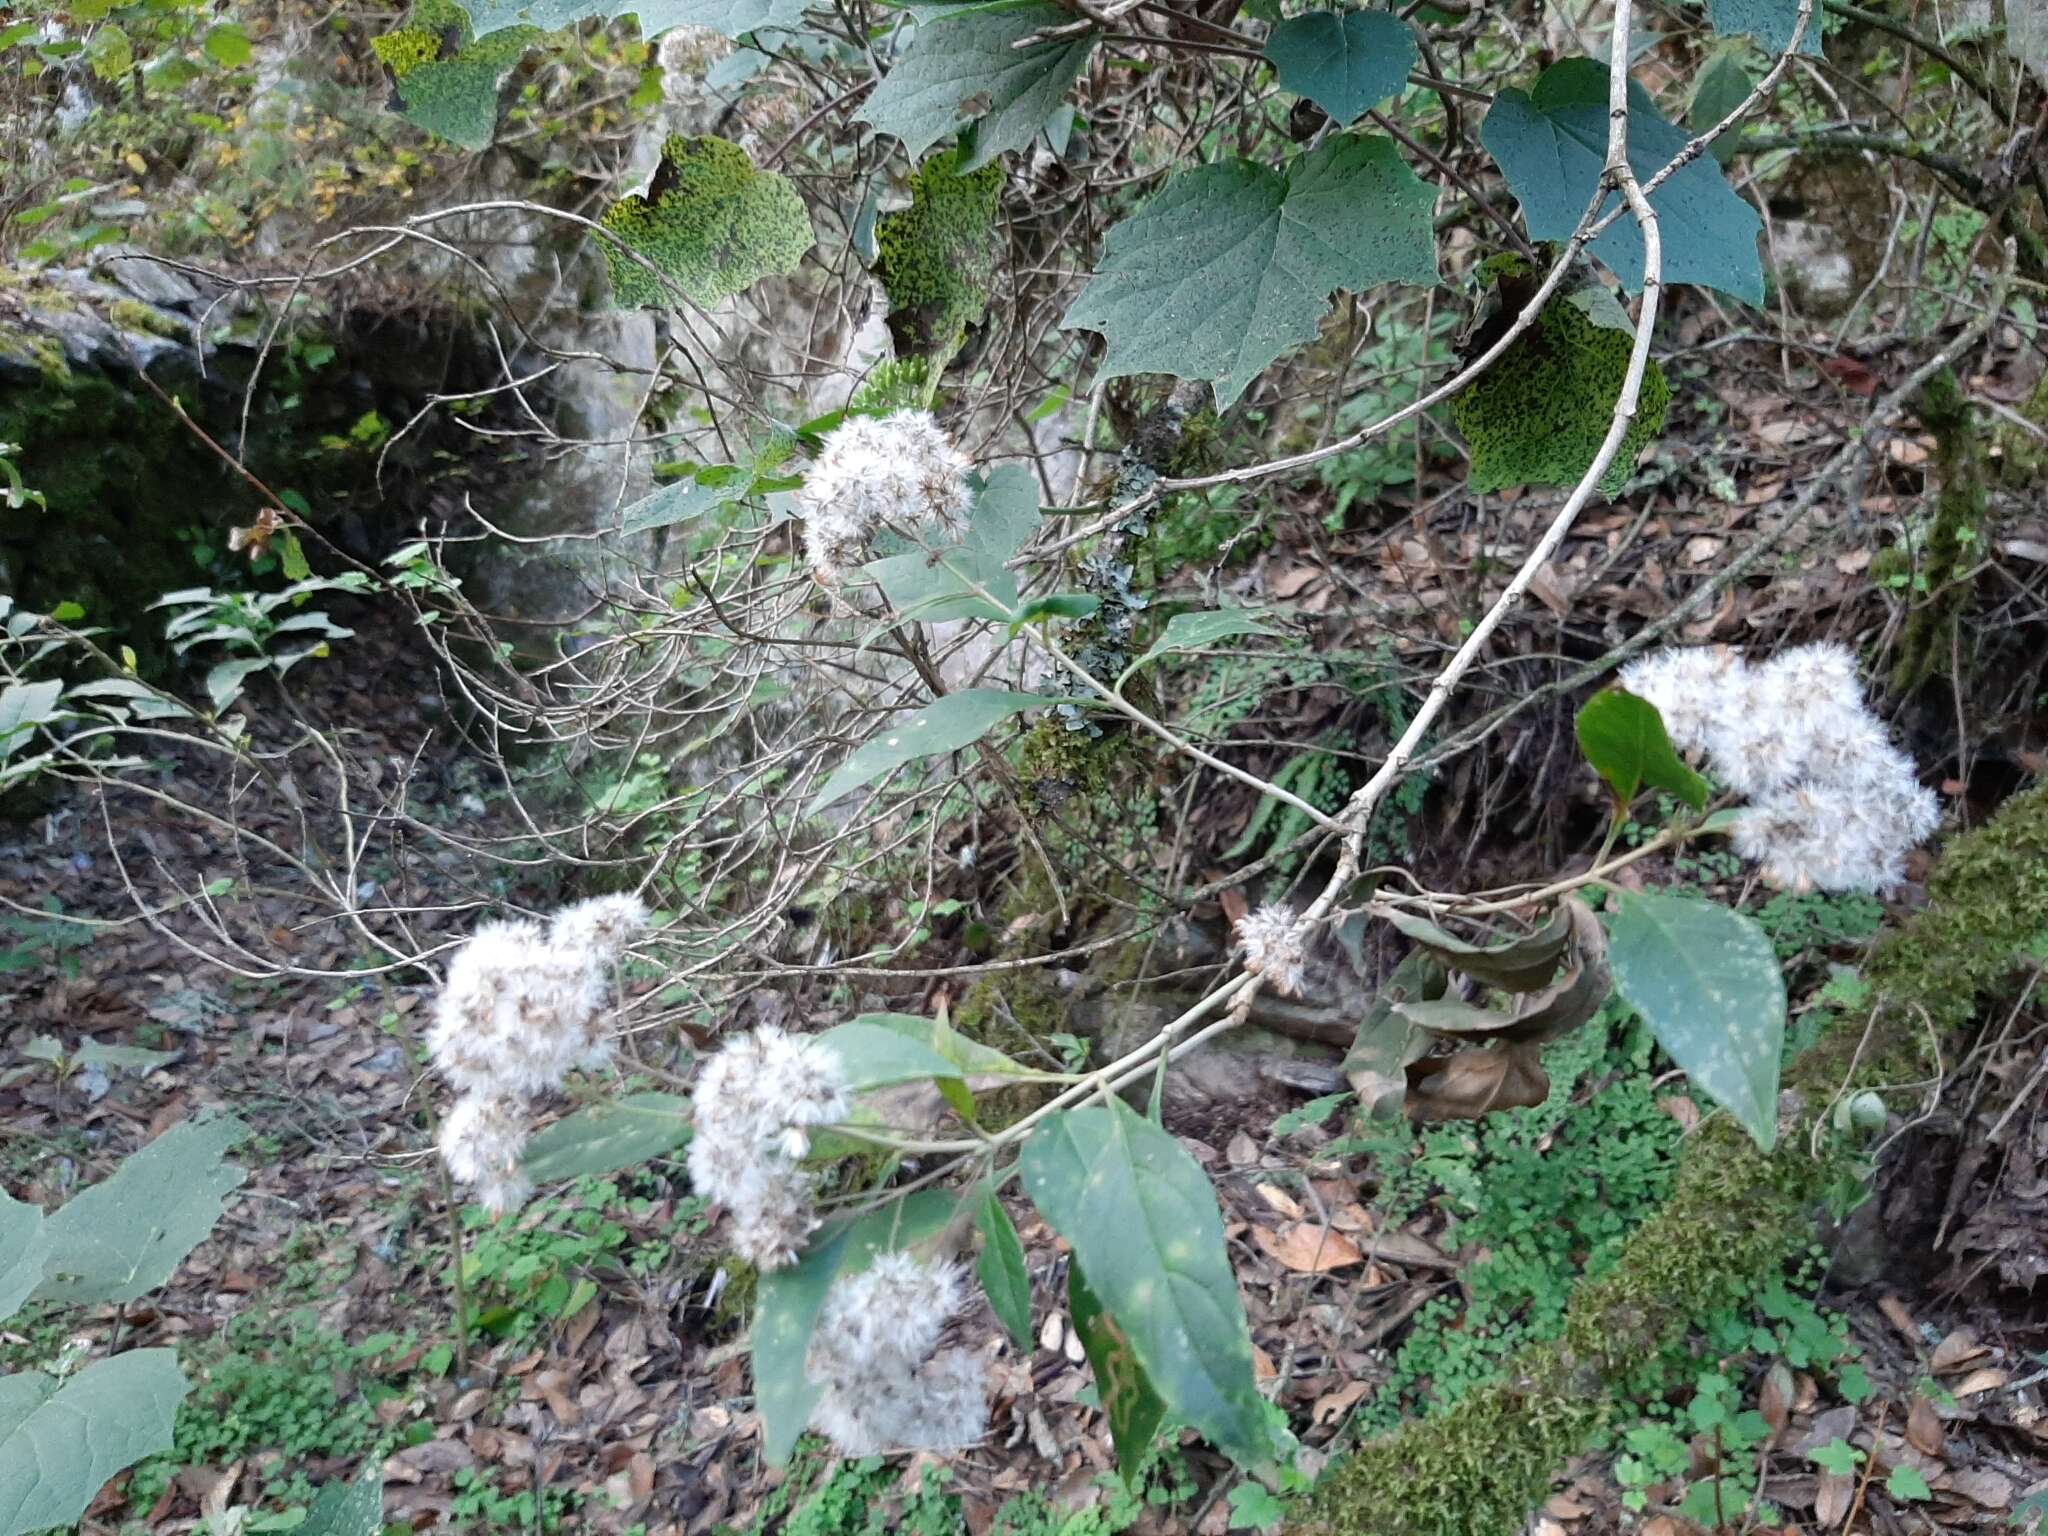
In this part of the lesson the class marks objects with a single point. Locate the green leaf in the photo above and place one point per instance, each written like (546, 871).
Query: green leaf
(1521, 964)
(603, 1138)
(1539, 414)
(1624, 739)
(1233, 264)
(963, 64)
(24, 1247)
(970, 580)
(1129, 1401)
(1907, 1485)
(971, 1057)
(1060, 605)
(126, 1234)
(1345, 61)
(944, 725)
(937, 257)
(348, 1509)
(1721, 86)
(1143, 1222)
(1000, 1268)
(788, 1301)
(874, 1056)
(1838, 1457)
(224, 679)
(1192, 631)
(228, 45)
(457, 98)
(1707, 982)
(1552, 144)
(110, 52)
(730, 18)
(682, 502)
(1770, 22)
(711, 223)
(1386, 1043)
(291, 555)
(60, 1443)
(23, 707)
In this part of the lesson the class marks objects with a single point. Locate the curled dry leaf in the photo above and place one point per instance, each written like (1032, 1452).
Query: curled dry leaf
(1474, 1082)
(1923, 1428)
(1522, 964)
(1386, 1043)
(1541, 1016)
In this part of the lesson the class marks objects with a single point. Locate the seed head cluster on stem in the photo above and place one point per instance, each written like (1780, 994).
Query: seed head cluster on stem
(1833, 804)
(523, 1005)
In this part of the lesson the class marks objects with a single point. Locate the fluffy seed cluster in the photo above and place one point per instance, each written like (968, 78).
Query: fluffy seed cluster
(901, 471)
(523, 1004)
(887, 1384)
(1275, 944)
(1832, 803)
(756, 1100)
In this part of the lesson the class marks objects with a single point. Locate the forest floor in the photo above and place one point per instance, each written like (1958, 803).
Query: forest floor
(1896, 1382)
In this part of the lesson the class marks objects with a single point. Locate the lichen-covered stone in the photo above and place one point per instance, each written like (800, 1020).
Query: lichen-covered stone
(1539, 414)
(937, 257)
(712, 224)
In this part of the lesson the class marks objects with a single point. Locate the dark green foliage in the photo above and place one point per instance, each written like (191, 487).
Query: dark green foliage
(938, 256)
(711, 224)
(1538, 415)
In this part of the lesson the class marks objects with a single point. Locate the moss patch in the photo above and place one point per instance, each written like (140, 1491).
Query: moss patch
(711, 223)
(1539, 414)
(1733, 1218)
(1955, 541)
(937, 257)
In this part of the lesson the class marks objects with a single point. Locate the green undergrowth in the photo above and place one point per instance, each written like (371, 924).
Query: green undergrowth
(1735, 1219)
(866, 1497)
(1538, 1197)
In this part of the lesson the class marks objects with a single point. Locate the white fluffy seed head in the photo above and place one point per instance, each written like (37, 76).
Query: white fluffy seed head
(481, 1141)
(900, 471)
(524, 1004)
(601, 926)
(756, 1099)
(887, 1386)
(1275, 944)
(1832, 804)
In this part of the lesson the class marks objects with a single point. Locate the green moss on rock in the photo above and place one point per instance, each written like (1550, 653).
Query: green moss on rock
(712, 224)
(1539, 414)
(1954, 544)
(937, 257)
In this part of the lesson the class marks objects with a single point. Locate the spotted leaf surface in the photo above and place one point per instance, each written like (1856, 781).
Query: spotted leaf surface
(1143, 1222)
(1234, 263)
(1707, 982)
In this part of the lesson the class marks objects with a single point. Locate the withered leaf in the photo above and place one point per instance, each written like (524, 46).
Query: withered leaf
(1475, 1082)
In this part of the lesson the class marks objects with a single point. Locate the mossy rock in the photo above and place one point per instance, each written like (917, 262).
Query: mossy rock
(937, 257)
(711, 224)
(1538, 415)
(1734, 1217)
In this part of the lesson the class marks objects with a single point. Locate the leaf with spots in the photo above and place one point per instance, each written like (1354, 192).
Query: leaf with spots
(1133, 1409)
(964, 65)
(1707, 982)
(61, 1441)
(944, 725)
(1552, 143)
(1142, 1219)
(1624, 739)
(1770, 22)
(1539, 414)
(731, 18)
(1234, 263)
(1345, 61)
(788, 1301)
